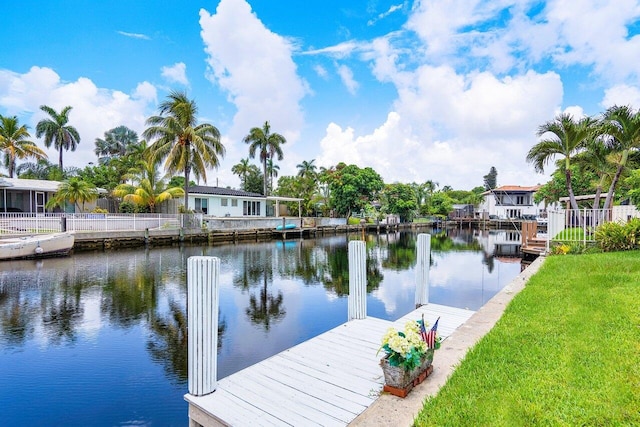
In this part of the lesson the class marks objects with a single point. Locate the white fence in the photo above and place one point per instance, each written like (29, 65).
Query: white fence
(23, 223)
(570, 225)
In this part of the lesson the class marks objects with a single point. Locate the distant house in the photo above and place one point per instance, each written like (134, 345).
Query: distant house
(459, 211)
(226, 202)
(26, 195)
(217, 201)
(511, 201)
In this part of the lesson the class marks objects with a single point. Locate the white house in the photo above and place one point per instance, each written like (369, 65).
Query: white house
(217, 201)
(511, 201)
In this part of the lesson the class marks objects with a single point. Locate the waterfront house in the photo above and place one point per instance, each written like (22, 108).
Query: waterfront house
(226, 202)
(26, 195)
(511, 201)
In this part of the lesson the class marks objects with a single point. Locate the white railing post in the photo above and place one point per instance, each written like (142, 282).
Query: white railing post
(357, 280)
(422, 269)
(203, 276)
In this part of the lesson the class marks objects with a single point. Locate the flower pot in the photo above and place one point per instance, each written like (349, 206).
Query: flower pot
(400, 378)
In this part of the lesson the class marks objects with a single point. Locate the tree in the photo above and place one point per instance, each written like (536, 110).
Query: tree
(186, 146)
(567, 138)
(307, 169)
(621, 130)
(117, 142)
(241, 169)
(44, 169)
(254, 180)
(597, 159)
(441, 204)
(74, 190)
(149, 189)
(267, 144)
(399, 199)
(491, 179)
(272, 172)
(14, 143)
(56, 131)
(353, 188)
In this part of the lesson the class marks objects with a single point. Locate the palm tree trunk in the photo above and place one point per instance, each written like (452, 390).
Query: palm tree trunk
(60, 159)
(572, 197)
(264, 168)
(187, 169)
(609, 200)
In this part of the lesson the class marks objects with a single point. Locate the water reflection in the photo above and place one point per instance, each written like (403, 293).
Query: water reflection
(110, 327)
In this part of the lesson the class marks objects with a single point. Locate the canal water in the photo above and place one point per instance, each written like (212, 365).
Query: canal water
(100, 338)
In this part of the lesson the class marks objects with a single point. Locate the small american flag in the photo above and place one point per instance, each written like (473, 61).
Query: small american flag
(429, 337)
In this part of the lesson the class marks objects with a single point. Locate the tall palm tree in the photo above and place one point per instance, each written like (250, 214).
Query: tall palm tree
(56, 131)
(117, 142)
(186, 146)
(598, 159)
(241, 169)
(149, 189)
(567, 138)
(267, 144)
(15, 145)
(621, 130)
(74, 190)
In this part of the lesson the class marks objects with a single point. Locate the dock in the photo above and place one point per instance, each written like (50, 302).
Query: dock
(327, 381)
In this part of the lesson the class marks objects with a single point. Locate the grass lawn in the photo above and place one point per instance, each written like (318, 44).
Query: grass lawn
(566, 352)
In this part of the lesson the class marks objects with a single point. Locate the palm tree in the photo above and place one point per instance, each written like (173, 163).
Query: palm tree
(568, 138)
(14, 143)
(621, 130)
(267, 144)
(150, 189)
(186, 146)
(307, 169)
(241, 169)
(272, 171)
(598, 159)
(56, 131)
(117, 142)
(74, 190)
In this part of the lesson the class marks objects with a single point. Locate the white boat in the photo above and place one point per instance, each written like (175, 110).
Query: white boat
(36, 246)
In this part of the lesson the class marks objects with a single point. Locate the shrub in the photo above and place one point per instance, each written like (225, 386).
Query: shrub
(99, 210)
(613, 236)
(127, 207)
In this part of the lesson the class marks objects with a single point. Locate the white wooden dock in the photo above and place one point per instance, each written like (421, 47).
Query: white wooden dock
(326, 381)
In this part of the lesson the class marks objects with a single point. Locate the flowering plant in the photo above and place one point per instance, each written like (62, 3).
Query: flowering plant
(406, 348)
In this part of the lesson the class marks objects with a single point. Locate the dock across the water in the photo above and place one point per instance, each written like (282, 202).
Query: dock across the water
(326, 381)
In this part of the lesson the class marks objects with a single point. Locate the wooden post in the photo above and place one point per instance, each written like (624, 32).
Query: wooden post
(203, 276)
(357, 280)
(423, 263)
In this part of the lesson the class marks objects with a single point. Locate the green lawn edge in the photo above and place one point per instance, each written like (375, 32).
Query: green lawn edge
(566, 352)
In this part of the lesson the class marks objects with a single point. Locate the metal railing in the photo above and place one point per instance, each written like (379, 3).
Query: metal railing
(29, 223)
(570, 225)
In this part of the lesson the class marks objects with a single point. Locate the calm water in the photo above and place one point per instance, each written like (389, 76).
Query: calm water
(100, 338)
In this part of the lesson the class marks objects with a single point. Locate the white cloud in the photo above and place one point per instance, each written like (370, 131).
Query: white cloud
(621, 95)
(95, 110)
(177, 73)
(134, 35)
(255, 67)
(346, 75)
(321, 71)
(392, 8)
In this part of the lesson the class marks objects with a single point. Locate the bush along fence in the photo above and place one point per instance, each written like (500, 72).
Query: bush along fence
(28, 223)
(610, 229)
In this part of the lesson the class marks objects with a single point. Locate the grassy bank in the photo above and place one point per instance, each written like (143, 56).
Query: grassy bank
(565, 352)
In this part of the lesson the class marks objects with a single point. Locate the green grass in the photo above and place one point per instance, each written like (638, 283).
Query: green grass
(566, 352)
(571, 234)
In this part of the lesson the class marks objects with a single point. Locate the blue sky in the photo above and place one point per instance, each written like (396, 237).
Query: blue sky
(418, 90)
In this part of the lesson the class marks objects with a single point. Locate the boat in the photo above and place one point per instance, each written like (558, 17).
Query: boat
(286, 227)
(37, 246)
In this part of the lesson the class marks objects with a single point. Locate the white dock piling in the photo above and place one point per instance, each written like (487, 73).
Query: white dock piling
(203, 276)
(422, 269)
(357, 280)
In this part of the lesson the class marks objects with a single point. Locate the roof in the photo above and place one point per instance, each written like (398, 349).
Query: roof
(30, 184)
(219, 191)
(513, 189)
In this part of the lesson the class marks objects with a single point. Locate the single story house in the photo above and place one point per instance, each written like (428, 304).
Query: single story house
(226, 202)
(511, 201)
(26, 195)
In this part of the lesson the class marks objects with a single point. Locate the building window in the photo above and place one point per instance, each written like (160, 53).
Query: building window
(201, 205)
(234, 203)
(250, 208)
(224, 202)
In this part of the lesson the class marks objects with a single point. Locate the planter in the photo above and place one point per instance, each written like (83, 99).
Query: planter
(399, 381)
